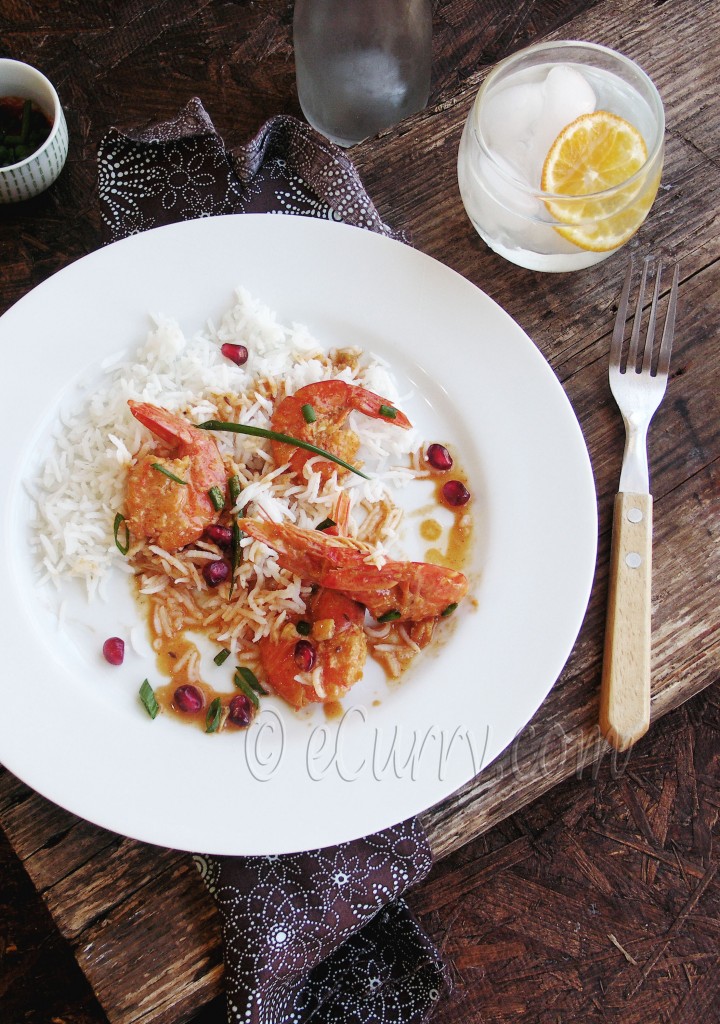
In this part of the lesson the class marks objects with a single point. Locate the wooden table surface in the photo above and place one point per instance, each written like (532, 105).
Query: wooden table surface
(569, 885)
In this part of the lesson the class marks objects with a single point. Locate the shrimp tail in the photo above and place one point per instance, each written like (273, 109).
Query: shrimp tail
(169, 427)
(370, 404)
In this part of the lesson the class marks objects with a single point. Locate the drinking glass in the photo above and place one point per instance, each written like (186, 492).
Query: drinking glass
(361, 65)
(527, 101)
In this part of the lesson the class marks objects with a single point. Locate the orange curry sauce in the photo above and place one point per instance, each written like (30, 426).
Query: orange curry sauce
(170, 651)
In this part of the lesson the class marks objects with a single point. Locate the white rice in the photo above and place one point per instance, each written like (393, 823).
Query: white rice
(81, 484)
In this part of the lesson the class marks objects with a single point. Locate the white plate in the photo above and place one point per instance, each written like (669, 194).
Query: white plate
(71, 727)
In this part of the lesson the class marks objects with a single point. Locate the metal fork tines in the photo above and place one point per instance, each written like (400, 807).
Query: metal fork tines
(638, 391)
(638, 379)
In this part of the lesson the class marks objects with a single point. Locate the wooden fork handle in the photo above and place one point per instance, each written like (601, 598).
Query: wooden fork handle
(625, 687)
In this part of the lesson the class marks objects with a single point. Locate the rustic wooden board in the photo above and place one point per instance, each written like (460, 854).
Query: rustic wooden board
(599, 903)
(114, 899)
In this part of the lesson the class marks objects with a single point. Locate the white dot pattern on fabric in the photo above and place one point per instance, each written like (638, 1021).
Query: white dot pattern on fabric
(180, 170)
(297, 946)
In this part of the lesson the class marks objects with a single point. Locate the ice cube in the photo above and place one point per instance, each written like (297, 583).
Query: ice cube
(521, 122)
(494, 203)
(566, 96)
(507, 122)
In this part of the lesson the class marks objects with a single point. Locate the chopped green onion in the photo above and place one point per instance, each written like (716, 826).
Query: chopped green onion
(234, 488)
(222, 656)
(120, 521)
(217, 498)
(304, 628)
(243, 683)
(450, 609)
(251, 679)
(147, 696)
(326, 524)
(389, 616)
(162, 469)
(388, 411)
(273, 435)
(213, 716)
(235, 553)
(308, 412)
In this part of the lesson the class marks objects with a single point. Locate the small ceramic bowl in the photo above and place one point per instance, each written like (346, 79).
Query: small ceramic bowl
(38, 171)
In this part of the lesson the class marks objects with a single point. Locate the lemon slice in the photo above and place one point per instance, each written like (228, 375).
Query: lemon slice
(592, 154)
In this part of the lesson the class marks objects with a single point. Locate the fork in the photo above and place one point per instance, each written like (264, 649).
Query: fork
(625, 686)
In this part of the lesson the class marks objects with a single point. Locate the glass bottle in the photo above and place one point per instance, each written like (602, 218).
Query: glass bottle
(361, 65)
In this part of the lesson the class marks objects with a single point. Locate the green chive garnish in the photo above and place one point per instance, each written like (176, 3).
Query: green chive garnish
(389, 616)
(450, 609)
(217, 498)
(213, 716)
(308, 413)
(162, 469)
(235, 553)
(304, 628)
(251, 679)
(273, 435)
(242, 681)
(121, 521)
(326, 524)
(147, 696)
(234, 488)
(388, 411)
(222, 656)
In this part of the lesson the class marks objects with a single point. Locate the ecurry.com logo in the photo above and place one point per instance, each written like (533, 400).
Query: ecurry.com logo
(352, 748)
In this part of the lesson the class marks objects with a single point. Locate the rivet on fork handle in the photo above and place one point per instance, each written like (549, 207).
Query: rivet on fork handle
(625, 689)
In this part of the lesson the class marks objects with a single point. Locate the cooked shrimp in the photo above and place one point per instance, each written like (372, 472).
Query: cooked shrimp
(410, 591)
(159, 507)
(330, 402)
(325, 664)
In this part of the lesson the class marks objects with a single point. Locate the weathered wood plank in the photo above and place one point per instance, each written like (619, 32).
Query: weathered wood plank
(133, 986)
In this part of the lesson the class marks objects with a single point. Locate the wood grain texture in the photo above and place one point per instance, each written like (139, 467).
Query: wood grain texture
(524, 901)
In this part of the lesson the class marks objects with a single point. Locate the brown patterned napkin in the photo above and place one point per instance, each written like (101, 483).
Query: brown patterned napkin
(324, 936)
(321, 936)
(180, 169)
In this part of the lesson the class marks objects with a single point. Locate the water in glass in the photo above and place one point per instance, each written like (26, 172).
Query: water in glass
(361, 65)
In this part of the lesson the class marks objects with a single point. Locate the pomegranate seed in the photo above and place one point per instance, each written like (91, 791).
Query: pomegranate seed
(220, 535)
(188, 699)
(215, 573)
(240, 710)
(304, 655)
(439, 457)
(114, 650)
(455, 493)
(237, 354)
